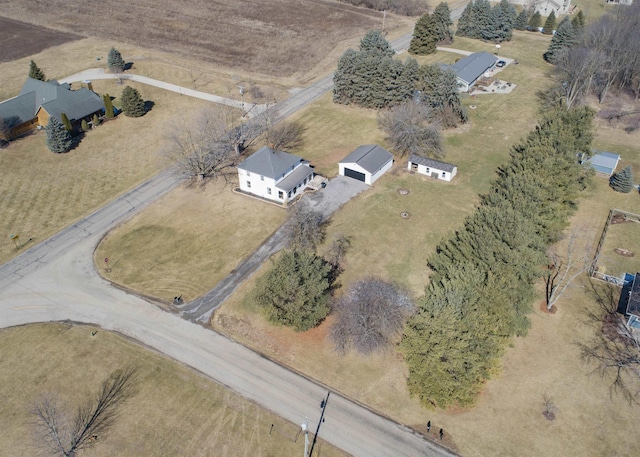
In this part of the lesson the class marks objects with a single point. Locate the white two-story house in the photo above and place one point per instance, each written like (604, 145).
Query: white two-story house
(274, 175)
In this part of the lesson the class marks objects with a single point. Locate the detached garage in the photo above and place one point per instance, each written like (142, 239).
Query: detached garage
(366, 164)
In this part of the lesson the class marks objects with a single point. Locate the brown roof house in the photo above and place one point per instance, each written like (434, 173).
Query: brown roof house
(39, 100)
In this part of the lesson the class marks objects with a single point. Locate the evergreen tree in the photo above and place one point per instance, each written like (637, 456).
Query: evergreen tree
(481, 287)
(522, 20)
(35, 72)
(58, 138)
(508, 19)
(375, 42)
(84, 125)
(443, 22)
(95, 121)
(563, 38)
(108, 106)
(66, 122)
(296, 291)
(549, 24)
(424, 36)
(535, 21)
(439, 89)
(578, 23)
(466, 23)
(115, 62)
(622, 181)
(131, 102)
(371, 77)
(482, 16)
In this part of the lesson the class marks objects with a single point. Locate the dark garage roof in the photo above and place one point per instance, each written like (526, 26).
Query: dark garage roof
(371, 157)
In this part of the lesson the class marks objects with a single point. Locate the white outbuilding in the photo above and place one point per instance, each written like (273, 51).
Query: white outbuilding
(366, 164)
(432, 168)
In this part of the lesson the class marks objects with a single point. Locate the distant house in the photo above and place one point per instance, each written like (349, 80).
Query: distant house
(432, 168)
(39, 100)
(469, 69)
(544, 7)
(604, 162)
(633, 303)
(367, 163)
(274, 175)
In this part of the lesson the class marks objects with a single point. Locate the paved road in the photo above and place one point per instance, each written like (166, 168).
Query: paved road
(55, 280)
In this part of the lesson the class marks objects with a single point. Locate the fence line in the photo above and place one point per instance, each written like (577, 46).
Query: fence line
(593, 270)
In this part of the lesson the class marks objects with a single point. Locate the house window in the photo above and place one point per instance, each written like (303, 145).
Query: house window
(428, 170)
(248, 184)
(289, 194)
(280, 195)
(444, 174)
(268, 190)
(414, 166)
(261, 178)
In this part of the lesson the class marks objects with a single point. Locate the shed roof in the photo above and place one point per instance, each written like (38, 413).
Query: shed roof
(604, 162)
(371, 157)
(473, 66)
(270, 163)
(431, 163)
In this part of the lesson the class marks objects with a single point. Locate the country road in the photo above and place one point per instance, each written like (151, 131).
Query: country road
(56, 280)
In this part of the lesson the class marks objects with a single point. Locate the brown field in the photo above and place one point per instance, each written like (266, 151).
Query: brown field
(175, 412)
(273, 38)
(20, 40)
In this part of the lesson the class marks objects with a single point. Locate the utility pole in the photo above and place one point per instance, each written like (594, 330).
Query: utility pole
(323, 405)
(305, 429)
(384, 18)
(242, 111)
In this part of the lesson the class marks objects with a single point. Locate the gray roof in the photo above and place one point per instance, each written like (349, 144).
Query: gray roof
(431, 163)
(472, 67)
(371, 157)
(294, 178)
(54, 98)
(604, 162)
(270, 163)
(18, 109)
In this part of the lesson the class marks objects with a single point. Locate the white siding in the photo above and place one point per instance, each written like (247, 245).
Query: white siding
(428, 171)
(373, 178)
(255, 184)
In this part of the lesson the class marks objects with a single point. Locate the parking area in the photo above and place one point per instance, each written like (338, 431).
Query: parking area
(337, 192)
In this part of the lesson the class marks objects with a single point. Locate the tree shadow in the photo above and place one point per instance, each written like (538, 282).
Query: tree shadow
(148, 105)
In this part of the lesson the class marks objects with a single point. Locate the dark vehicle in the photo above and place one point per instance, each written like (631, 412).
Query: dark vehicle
(501, 63)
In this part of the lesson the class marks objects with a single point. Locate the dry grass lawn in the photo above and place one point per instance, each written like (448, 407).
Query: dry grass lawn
(187, 241)
(175, 411)
(621, 236)
(44, 192)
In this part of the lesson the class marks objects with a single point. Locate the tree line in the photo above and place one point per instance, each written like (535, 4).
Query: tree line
(481, 21)
(594, 58)
(482, 279)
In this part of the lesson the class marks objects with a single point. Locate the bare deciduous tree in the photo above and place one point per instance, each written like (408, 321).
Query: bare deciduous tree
(549, 408)
(615, 348)
(339, 247)
(305, 227)
(564, 266)
(285, 135)
(369, 316)
(58, 432)
(411, 130)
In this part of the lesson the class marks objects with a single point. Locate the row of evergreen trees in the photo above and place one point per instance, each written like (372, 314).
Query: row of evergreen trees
(568, 34)
(479, 20)
(372, 78)
(430, 30)
(482, 278)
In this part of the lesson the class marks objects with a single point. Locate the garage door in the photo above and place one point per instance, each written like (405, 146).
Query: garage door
(354, 174)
